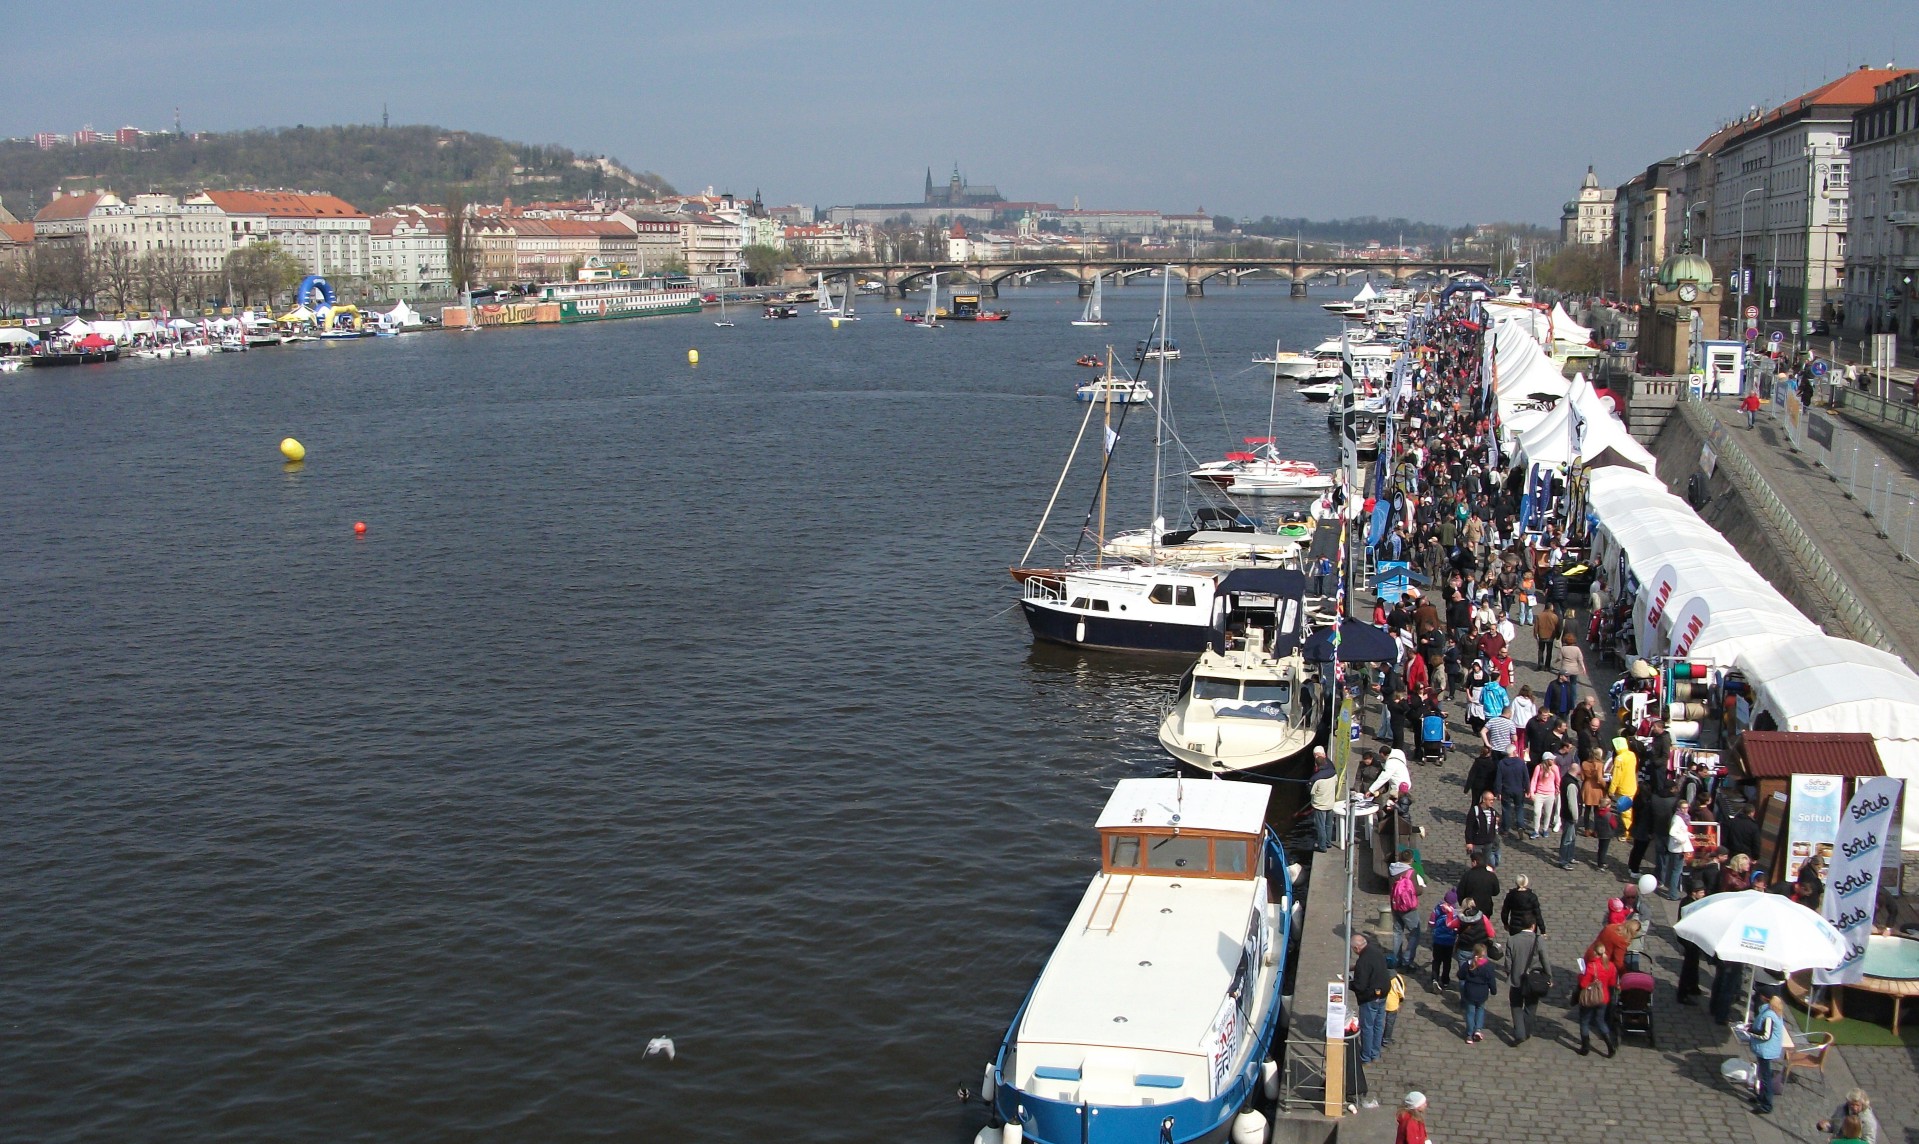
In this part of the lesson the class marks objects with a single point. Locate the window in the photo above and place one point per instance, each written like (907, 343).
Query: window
(1176, 852)
(1102, 606)
(1161, 594)
(1078, 603)
(1122, 851)
(1231, 855)
(1184, 597)
(1206, 687)
(1276, 691)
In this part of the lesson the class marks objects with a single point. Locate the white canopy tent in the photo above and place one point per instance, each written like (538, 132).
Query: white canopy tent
(1719, 626)
(1567, 330)
(1827, 684)
(1685, 573)
(15, 336)
(1548, 440)
(1366, 292)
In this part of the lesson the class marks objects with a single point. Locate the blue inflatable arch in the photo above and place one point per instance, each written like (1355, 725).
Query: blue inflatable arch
(310, 285)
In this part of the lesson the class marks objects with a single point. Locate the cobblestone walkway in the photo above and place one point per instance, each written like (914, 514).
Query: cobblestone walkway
(1498, 1093)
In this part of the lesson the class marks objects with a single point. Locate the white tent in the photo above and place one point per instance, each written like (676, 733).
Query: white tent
(15, 336)
(404, 317)
(1827, 684)
(1567, 330)
(1684, 573)
(1548, 440)
(1607, 441)
(75, 328)
(1720, 626)
(1366, 293)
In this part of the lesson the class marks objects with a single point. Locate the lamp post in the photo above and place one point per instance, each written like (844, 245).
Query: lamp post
(1742, 249)
(1814, 169)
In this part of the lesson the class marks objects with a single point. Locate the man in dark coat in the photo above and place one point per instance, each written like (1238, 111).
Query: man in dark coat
(1370, 978)
(1479, 884)
(1740, 834)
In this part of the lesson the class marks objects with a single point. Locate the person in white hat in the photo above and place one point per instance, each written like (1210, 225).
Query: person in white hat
(1412, 1120)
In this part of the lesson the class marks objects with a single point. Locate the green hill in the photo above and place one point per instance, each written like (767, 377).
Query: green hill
(370, 167)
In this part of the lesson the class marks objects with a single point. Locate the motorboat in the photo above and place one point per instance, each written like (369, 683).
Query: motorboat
(1250, 706)
(1090, 361)
(1156, 349)
(1124, 607)
(1117, 390)
(1286, 364)
(1217, 538)
(780, 311)
(1320, 391)
(11, 365)
(1156, 1010)
(1263, 472)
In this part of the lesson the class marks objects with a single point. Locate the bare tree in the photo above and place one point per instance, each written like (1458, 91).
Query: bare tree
(168, 277)
(118, 269)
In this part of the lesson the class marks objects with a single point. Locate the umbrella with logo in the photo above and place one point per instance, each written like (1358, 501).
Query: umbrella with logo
(1767, 930)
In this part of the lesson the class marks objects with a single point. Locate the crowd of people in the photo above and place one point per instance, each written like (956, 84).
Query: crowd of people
(1553, 766)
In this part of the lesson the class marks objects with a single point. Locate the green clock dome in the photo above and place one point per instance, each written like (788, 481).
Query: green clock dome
(1685, 267)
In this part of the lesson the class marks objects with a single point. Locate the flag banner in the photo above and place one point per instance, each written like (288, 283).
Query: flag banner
(1852, 880)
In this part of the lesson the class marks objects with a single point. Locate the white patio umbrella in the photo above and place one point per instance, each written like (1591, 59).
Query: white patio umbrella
(1767, 930)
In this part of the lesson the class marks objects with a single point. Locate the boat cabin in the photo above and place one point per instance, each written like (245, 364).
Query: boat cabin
(1171, 828)
(965, 307)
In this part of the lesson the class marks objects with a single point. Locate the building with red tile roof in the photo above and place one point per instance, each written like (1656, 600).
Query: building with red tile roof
(328, 235)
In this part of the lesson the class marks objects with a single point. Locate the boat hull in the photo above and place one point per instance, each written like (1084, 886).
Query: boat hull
(629, 306)
(1107, 633)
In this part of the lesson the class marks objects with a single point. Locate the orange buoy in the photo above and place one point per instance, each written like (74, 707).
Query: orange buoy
(359, 528)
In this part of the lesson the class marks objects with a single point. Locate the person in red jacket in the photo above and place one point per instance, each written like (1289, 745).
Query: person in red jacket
(1412, 1120)
(1750, 406)
(1599, 973)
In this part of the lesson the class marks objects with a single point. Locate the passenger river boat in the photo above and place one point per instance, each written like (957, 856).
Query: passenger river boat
(599, 294)
(1153, 1017)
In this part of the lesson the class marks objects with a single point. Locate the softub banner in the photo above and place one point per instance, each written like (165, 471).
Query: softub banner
(1852, 880)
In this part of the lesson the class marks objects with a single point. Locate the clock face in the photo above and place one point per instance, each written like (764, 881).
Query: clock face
(1688, 292)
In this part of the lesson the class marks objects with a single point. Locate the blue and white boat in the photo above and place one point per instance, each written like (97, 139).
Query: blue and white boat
(1157, 1009)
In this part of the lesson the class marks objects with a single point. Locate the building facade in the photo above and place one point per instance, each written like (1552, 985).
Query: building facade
(1882, 255)
(328, 235)
(1781, 195)
(407, 255)
(1587, 219)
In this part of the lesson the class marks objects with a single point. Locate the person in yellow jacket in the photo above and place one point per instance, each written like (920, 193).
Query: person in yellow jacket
(1625, 779)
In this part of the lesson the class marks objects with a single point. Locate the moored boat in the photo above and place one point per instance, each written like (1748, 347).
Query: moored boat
(1248, 706)
(1263, 472)
(599, 294)
(1157, 1008)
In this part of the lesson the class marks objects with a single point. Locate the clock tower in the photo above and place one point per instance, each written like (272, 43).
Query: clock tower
(1683, 289)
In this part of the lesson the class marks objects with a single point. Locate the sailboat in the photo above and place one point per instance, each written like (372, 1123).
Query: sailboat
(723, 322)
(1091, 316)
(931, 321)
(825, 306)
(846, 303)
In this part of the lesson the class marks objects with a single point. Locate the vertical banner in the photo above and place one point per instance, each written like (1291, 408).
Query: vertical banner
(1852, 881)
(1812, 819)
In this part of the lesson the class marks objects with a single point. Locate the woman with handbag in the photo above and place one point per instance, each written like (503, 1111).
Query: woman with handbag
(1529, 977)
(1597, 979)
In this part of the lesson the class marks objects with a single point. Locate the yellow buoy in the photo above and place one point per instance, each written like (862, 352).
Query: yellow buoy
(692, 357)
(292, 450)
(897, 311)
(835, 321)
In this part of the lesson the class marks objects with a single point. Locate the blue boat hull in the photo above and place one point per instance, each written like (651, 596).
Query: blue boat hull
(1106, 633)
(1046, 1121)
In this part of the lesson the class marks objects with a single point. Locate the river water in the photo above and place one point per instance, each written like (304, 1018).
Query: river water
(657, 700)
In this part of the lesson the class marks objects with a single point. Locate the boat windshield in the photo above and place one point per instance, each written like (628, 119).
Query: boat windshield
(1269, 691)
(1205, 688)
(1176, 852)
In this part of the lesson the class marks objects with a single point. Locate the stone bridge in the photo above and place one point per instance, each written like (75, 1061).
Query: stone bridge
(901, 278)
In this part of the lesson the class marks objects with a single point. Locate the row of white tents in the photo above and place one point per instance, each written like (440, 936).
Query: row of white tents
(1697, 597)
(401, 316)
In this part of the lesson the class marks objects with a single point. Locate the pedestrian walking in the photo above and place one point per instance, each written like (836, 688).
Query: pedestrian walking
(1544, 791)
(1529, 978)
(1412, 1120)
(1545, 631)
(1404, 900)
(1521, 909)
(1679, 847)
(1476, 983)
(1597, 979)
(1749, 405)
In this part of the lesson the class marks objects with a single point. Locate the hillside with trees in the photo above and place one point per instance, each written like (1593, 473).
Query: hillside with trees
(371, 167)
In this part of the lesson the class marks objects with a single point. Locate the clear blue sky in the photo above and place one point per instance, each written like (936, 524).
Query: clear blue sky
(1445, 112)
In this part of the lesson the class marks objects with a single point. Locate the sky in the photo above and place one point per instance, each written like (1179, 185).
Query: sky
(1450, 113)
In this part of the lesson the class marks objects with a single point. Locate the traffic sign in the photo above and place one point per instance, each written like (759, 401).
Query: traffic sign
(1752, 333)
(1752, 311)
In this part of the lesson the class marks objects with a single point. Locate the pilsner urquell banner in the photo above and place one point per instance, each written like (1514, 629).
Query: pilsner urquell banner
(1852, 879)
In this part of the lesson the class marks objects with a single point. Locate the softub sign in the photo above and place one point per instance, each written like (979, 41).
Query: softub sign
(1852, 885)
(1813, 822)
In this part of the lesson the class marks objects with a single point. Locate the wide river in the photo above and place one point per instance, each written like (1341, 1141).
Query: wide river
(656, 700)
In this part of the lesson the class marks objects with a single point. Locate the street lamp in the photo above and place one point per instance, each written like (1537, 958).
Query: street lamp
(1741, 268)
(1814, 171)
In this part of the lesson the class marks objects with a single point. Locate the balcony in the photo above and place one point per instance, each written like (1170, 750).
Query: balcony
(1903, 175)
(1903, 218)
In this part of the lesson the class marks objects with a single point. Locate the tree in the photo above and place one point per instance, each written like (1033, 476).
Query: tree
(118, 269)
(674, 267)
(167, 277)
(462, 252)
(764, 263)
(1578, 268)
(23, 281)
(70, 274)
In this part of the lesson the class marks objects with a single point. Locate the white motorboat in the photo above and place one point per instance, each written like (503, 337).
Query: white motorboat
(1247, 707)
(1263, 472)
(11, 365)
(1118, 390)
(1320, 391)
(1156, 349)
(1156, 1010)
(1289, 365)
(1091, 315)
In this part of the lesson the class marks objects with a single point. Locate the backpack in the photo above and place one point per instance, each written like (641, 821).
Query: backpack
(1405, 897)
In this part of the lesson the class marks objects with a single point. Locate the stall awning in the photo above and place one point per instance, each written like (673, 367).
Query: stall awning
(1782, 754)
(1359, 642)
(1282, 582)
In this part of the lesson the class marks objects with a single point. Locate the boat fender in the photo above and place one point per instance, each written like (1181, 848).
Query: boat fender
(987, 1089)
(1011, 1133)
(987, 1136)
(1269, 1079)
(1249, 1127)
(1079, 632)
(1271, 941)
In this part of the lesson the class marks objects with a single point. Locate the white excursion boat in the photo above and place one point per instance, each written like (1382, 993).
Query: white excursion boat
(1117, 390)
(1263, 472)
(1246, 707)
(1155, 1014)
(1091, 315)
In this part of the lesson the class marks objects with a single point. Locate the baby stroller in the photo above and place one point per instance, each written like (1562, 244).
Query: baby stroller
(1635, 1007)
(1433, 743)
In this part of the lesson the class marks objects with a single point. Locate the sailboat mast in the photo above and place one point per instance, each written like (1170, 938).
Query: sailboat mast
(1159, 433)
(1099, 557)
(1272, 407)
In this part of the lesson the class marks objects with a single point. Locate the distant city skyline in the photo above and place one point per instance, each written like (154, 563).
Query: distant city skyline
(1441, 115)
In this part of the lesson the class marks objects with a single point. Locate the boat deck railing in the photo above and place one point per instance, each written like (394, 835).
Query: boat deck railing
(1043, 590)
